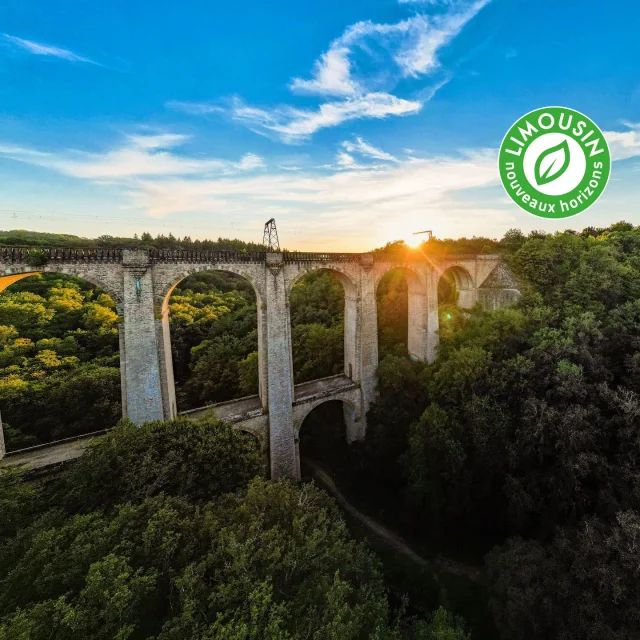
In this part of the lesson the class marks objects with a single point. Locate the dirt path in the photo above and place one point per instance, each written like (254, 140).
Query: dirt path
(391, 539)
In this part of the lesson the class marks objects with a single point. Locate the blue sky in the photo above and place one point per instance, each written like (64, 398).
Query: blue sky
(352, 123)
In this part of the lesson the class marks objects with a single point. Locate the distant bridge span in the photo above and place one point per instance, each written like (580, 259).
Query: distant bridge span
(141, 282)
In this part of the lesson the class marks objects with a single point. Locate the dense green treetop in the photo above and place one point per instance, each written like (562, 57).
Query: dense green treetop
(145, 241)
(525, 433)
(168, 531)
(59, 360)
(317, 326)
(522, 436)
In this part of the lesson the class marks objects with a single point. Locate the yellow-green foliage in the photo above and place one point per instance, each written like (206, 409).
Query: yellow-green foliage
(189, 307)
(25, 312)
(213, 334)
(58, 359)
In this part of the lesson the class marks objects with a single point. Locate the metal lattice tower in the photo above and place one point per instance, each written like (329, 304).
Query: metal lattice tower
(270, 238)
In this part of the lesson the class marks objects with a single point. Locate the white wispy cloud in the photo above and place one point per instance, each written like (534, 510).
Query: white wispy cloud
(346, 161)
(368, 150)
(158, 141)
(624, 144)
(389, 200)
(249, 161)
(332, 75)
(350, 91)
(195, 108)
(140, 155)
(390, 197)
(40, 49)
(427, 35)
(151, 176)
(294, 125)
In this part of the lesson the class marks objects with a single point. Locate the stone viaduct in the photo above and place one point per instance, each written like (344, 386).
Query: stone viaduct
(141, 283)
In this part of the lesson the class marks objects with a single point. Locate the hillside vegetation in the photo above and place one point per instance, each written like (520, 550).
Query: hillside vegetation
(517, 451)
(59, 365)
(169, 531)
(25, 238)
(525, 434)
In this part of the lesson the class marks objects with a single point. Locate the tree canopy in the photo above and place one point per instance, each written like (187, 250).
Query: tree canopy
(524, 435)
(517, 449)
(59, 364)
(169, 531)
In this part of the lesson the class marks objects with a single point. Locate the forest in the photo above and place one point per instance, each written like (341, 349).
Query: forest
(59, 363)
(516, 452)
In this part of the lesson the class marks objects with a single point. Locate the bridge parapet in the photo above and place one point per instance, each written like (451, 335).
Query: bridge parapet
(44, 255)
(229, 257)
(307, 256)
(100, 254)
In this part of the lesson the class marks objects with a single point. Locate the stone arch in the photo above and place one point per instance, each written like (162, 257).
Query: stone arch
(350, 288)
(304, 410)
(351, 309)
(169, 281)
(256, 425)
(8, 280)
(417, 311)
(414, 279)
(351, 416)
(255, 432)
(460, 285)
(15, 273)
(166, 278)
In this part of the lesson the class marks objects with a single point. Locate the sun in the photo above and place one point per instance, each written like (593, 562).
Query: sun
(414, 241)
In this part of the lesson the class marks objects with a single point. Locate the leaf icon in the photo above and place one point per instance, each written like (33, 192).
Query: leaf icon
(552, 163)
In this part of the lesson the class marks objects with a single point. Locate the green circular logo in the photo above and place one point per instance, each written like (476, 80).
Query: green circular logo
(554, 162)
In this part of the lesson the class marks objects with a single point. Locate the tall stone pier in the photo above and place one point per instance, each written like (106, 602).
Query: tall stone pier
(141, 282)
(142, 388)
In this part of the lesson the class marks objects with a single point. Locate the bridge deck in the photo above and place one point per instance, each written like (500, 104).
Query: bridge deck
(48, 458)
(231, 411)
(251, 406)
(323, 387)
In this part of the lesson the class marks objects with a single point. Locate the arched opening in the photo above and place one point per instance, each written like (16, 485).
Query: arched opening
(59, 359)
(213, 324)
(392, 303)
(324, 434)
(455, 293)
(322, 310)
(455, 287)
(254, 435)
(256, 438)
(401, 303)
